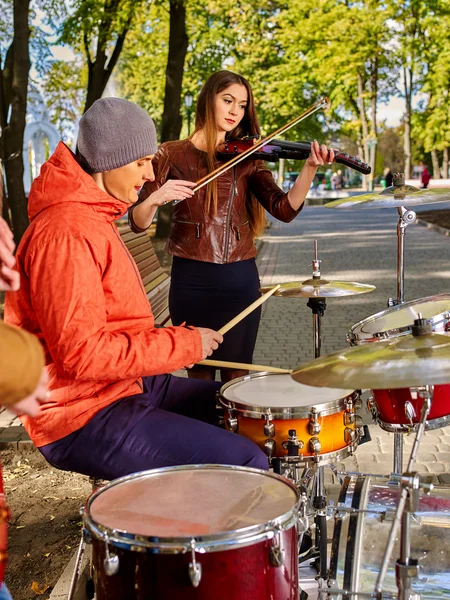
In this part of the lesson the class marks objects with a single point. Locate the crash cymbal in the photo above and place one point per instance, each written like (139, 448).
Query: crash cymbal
(320, 288)
(393, 197)
(403, 362)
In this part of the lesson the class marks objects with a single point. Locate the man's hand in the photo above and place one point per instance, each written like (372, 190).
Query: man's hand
(210, 341)
(9, 278)
(31, 405)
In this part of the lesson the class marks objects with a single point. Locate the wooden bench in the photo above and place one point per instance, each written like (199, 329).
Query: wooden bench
(156, 280)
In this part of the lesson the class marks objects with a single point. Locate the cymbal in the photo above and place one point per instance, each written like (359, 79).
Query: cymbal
(393, 197)
(403, 362)
(320, 288)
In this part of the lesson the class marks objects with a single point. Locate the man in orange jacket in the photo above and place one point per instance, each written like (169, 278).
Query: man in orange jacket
(114, 410)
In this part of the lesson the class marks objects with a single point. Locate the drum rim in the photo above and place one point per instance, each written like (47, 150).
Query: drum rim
(236, 538)
(355, 340)
(278, 412)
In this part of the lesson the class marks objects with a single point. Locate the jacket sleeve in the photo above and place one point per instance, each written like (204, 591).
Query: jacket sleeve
(266, 191)
(161, 168)
(21, 364)
(68, 298)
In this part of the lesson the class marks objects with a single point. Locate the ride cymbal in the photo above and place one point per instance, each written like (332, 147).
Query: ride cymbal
(393, 197)
(320, 288)
(404, 362)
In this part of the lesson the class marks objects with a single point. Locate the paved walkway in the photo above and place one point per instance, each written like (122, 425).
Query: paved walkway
(354, 245)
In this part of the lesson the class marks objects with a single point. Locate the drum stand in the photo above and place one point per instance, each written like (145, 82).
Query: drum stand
(406, 567)
(406, 217)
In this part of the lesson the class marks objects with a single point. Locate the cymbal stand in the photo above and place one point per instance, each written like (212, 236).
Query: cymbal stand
(406, 567)
(318, 306)
(406, 217)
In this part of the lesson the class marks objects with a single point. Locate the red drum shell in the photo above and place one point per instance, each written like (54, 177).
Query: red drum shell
(391, 405)
(238, 574)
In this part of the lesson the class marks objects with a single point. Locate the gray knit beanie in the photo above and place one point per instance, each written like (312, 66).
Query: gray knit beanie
(113, 133)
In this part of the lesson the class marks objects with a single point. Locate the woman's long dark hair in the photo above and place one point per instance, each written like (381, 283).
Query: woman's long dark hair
(205, 120)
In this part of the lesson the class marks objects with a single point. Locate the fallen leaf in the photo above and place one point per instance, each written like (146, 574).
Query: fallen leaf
(47, 554)
(20, 526)
(51, 517)
(39, 589)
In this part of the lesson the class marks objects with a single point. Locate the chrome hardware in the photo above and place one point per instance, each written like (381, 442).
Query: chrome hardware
(269, 429)
(410, 412)
(314, 427)
(232, 424)
(293, 444)
(110, 563)
(350, 435)
(314, 445)
(349, 418)
(277, 555)
(195, 568)
(270, 447)
(372, 407)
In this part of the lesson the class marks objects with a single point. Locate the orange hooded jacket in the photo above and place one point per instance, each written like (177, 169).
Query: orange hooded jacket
(82, 295)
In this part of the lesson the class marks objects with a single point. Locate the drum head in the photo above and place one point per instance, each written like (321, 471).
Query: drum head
(397, 320)
(192, 501)
(278, 391)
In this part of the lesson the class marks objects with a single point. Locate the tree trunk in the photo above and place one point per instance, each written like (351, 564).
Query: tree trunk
(435, 161)
(13, 127)
(445, 164)
(364, 126)
(407, 74)
(171, 119)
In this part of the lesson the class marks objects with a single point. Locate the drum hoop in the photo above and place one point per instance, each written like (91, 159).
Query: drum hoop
(278, 412)
(355, 340)
(404, 428)
(237, 538)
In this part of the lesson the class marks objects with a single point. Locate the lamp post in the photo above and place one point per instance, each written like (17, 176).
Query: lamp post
(188, 103)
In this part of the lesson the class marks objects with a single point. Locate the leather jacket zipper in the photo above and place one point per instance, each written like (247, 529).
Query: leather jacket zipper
(197, 226)
(234, 191)
(238, 231)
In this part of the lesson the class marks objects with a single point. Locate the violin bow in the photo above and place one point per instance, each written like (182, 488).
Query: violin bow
(323, 103)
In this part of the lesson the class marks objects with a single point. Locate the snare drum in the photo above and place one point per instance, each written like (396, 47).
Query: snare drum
(399, 410)
(281, 415)
(361, 534)
(194, 533)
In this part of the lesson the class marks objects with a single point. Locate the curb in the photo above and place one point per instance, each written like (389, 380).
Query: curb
(62, 586)
(433, 227)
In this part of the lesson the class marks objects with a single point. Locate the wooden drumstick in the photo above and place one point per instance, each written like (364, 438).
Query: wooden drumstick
(242, 366)
(248, 310)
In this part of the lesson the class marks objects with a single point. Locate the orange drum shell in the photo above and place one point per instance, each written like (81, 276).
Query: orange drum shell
(331, 436)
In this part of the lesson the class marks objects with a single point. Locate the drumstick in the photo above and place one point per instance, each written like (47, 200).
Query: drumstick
(248, 310)
(242, 366)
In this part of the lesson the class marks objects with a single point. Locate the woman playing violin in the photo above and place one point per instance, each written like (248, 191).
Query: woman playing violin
(214, 274)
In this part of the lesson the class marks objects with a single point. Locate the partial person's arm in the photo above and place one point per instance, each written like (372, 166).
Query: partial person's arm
(69, 301)
(21, 364)
(282, 206)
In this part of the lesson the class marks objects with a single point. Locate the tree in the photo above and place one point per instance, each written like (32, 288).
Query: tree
(99, 29)
(14, 69)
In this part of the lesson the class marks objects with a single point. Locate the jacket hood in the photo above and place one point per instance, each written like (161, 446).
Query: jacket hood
(63, 180)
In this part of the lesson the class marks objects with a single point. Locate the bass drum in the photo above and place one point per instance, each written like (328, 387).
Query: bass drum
(361, 533)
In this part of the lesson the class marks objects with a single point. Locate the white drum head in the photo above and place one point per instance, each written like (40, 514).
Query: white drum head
(192, 501)
(278, 391)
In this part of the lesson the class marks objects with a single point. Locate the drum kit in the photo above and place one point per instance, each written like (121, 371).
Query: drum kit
(212, 531)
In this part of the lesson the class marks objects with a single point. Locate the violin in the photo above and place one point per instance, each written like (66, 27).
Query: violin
(277, 149)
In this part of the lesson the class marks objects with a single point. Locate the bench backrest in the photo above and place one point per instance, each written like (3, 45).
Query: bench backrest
(156, 280)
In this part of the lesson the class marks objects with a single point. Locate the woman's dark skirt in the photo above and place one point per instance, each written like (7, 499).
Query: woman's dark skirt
(209, 295)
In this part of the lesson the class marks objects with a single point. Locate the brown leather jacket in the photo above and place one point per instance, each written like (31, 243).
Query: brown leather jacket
(225, 236)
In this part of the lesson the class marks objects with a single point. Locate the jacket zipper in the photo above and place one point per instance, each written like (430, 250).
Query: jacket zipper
(197, 225)
(228, 222)
(238, 231)
(133, 264)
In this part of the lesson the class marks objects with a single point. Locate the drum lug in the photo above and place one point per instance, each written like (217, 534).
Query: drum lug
(350, 435)
(232, 424)
(373, 408)
(314, 427)
(270, 447)
(349, 418)
(195, 568)
(314, 445)
(410, 412)
(269, 429)
(277, 555)
(110, 562)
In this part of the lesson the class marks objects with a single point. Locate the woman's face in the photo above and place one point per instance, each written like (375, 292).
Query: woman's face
(230, 106)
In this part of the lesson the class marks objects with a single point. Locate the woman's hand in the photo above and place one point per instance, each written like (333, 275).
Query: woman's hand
(320, 155)
(173, 189)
